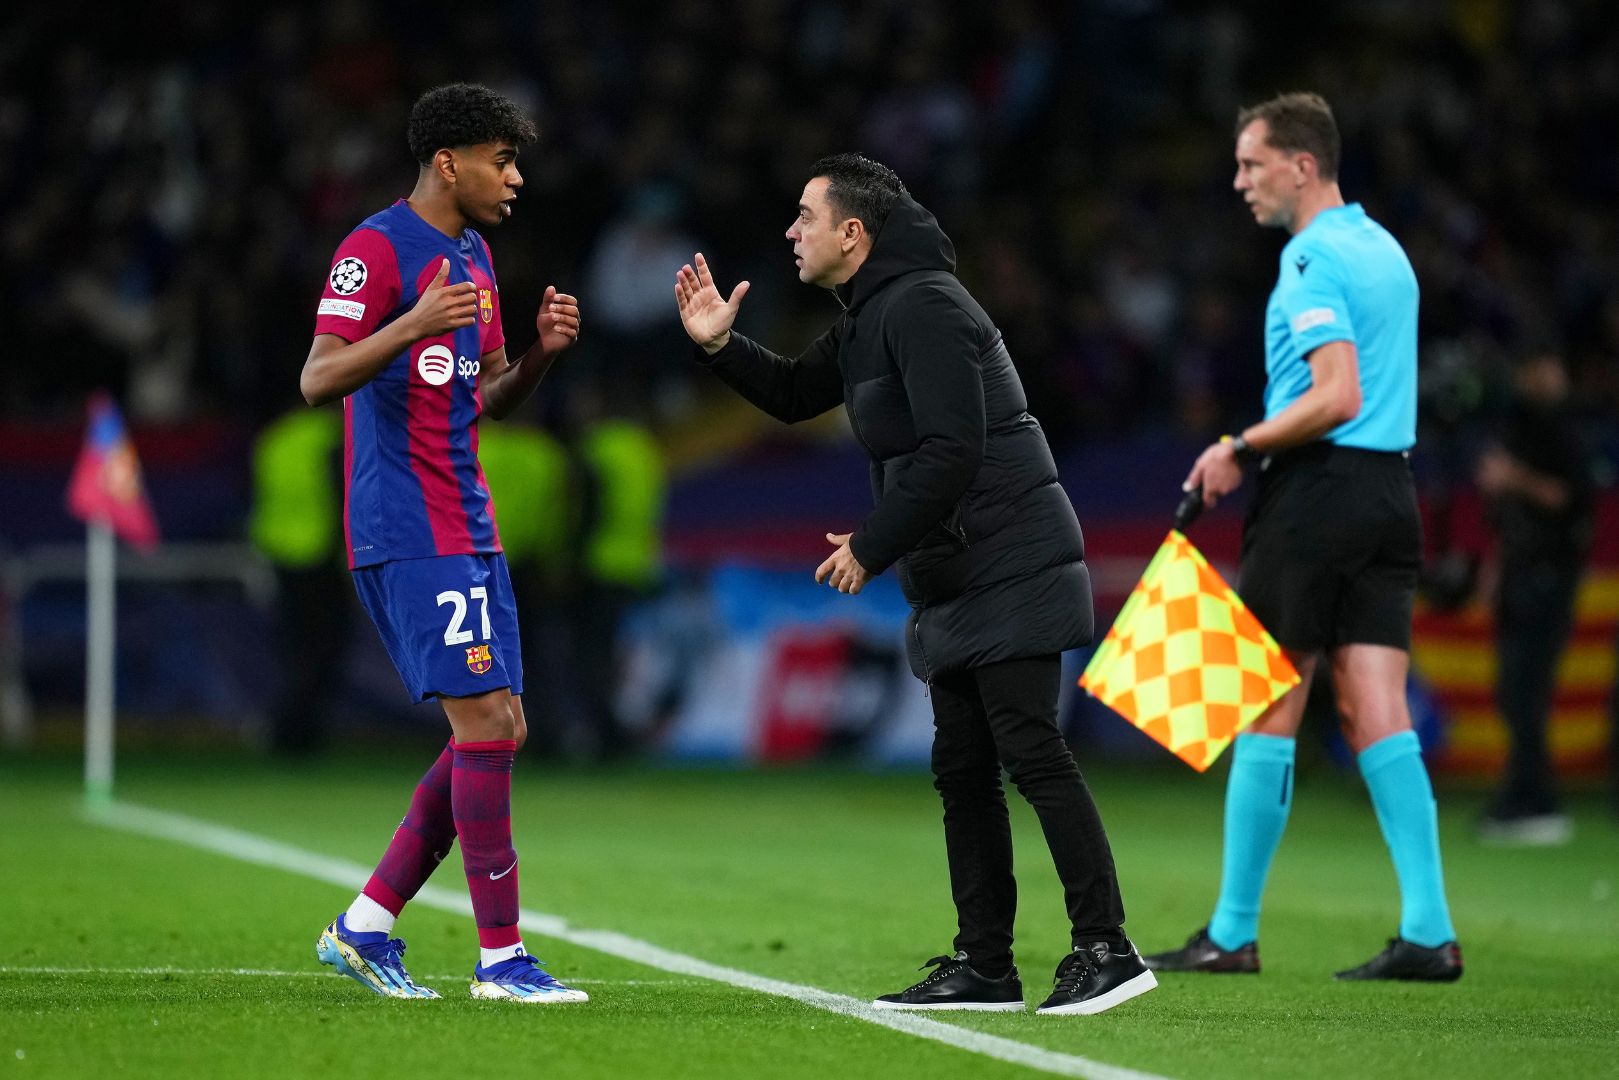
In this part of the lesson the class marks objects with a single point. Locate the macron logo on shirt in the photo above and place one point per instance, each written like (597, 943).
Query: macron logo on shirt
(1316, 316)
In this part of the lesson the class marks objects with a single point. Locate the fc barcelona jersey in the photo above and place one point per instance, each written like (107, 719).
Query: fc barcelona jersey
(413, 487)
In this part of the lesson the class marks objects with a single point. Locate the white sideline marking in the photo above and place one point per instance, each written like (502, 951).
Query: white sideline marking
(256, 972)
(268, 973)
(250, 848)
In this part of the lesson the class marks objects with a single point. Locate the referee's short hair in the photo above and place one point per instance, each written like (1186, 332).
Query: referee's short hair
(860, 188)
(1299, 123)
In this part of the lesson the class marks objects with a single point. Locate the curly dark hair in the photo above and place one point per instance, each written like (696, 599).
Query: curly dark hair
(464, 114)
(860, 188)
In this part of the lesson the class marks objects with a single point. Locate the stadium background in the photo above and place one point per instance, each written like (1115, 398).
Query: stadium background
(183, 172)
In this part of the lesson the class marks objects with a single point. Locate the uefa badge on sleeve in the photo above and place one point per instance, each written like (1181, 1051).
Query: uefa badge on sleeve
(348, 276)
(478, 659)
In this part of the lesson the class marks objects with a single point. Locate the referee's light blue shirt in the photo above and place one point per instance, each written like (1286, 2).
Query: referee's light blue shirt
(1344, 278)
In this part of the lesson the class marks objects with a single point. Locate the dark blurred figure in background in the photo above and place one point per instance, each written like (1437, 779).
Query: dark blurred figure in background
(1540, 493)
(297, 525)
(626, 278)
(616, 554)
(528, 472)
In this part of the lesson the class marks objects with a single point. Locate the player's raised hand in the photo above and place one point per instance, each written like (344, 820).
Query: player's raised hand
(558, 320)
(442, 307)
(706, 316)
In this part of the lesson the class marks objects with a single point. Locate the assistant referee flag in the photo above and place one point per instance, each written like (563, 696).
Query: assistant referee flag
(1186, 661)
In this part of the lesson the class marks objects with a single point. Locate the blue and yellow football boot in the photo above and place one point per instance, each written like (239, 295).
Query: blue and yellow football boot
(375, 961)
(522, 979)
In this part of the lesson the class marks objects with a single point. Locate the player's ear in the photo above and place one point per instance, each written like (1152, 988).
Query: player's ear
(444, 165)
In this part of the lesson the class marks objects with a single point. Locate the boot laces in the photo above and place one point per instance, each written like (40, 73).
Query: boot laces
(1075, 968)
(942, 966)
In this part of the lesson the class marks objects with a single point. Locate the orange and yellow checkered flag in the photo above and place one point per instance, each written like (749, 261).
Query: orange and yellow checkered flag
(1186, 661)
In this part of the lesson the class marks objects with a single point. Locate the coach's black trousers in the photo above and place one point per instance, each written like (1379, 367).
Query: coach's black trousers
(1006, 714)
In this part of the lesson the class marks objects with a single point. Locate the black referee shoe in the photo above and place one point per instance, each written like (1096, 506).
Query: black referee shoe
(955, 985)
(1200, 953)
(1411, 963)
(1095, 977)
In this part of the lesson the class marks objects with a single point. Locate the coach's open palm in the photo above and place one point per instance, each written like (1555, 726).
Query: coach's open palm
(557, 321)
(705, 315)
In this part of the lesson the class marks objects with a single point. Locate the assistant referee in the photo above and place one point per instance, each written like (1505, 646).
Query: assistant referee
(1332, 543)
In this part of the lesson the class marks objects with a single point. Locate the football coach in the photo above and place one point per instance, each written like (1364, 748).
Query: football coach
(968, 512)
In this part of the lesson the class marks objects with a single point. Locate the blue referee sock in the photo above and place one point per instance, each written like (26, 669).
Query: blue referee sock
(1402, 795)
(1257, 798)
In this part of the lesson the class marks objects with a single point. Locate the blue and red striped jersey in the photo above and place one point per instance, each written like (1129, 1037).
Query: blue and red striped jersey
(413, 487)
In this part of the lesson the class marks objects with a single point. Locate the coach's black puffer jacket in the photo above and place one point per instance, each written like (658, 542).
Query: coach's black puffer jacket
(968, 506)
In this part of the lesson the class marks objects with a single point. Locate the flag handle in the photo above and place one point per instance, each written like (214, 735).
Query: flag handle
(1191, 505)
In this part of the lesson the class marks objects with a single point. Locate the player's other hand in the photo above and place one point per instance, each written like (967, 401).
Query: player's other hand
(442, 307)
(842, 570)
(706, 316)
(558, 320)
(1217, 470)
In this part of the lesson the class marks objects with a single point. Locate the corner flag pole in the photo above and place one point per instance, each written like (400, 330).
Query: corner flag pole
(106, 493)
(101, 606)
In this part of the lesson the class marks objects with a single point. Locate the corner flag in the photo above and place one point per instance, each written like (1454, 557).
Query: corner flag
(1186, 661)
(106, 488)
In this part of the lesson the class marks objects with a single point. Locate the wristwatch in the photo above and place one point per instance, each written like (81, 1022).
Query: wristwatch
(1240, 449)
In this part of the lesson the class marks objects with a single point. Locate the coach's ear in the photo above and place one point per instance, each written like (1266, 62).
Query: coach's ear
(850, 232)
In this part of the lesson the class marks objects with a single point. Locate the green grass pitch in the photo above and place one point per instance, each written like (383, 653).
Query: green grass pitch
(125, 955)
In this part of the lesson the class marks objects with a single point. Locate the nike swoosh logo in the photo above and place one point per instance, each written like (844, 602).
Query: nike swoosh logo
(496, 877)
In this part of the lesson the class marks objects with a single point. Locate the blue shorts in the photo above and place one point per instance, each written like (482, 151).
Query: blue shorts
(449, 623)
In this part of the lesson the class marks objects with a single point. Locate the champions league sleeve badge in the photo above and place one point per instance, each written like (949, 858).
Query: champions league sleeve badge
(347, 276)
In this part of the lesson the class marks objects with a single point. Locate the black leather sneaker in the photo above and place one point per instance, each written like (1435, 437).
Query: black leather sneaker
(1095, 977)
(1200, 953)
(1411, 963)
(955, 985)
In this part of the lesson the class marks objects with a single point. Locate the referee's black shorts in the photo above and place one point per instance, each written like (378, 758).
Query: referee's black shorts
(1332, 547)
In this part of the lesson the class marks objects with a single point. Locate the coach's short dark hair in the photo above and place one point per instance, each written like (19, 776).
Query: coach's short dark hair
(860, 188)
(464, 114)
(1299, 123)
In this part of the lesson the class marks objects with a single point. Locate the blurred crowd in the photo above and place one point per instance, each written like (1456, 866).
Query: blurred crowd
(183, 171)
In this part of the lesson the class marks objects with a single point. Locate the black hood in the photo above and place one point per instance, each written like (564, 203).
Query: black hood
(910, 240)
